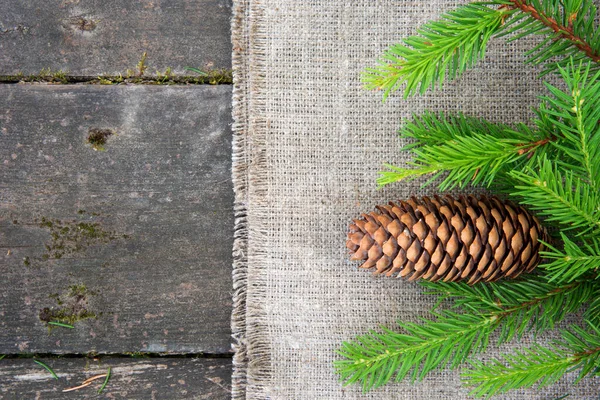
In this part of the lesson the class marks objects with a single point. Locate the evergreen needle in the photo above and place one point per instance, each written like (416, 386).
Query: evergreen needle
(55, 323)
(47, 368)
(105, 381)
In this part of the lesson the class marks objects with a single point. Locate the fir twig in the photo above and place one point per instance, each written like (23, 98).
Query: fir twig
(592, 313)
(578, 350)
(376, 358)
(560, 196)
(445, 47)
(575, 114)
(470, 150)
(574, 261)
(568, 25)
(533, 304)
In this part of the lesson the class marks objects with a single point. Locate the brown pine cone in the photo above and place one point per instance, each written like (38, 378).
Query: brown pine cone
(448, 239)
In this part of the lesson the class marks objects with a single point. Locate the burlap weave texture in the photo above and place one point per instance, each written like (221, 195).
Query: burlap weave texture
(309, 141)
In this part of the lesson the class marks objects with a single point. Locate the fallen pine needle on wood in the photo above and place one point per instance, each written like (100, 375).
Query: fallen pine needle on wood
(47, 368)
(105, 381)
(89, 381)
(77, 387)
(93, 378)
(61, 324)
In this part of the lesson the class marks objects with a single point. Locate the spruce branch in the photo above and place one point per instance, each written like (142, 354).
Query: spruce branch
(578, 350)
(374, 359)
(575, 114)
(568, 25)
(574, 261)
(445, 47)
(559, 196)
(534, 304)
(470, 150)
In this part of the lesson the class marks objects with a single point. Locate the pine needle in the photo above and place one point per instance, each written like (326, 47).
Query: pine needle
(93, 378)
(105, 381)
(77, 387)
(55, 323)
(47, 368)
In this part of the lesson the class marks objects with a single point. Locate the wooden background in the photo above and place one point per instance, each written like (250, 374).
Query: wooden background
(129, 241)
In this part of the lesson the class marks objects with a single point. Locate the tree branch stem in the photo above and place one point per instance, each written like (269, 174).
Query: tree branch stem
(530, 147)
(566, 32)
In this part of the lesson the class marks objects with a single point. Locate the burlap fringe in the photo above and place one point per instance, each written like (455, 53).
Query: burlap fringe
(251, 362)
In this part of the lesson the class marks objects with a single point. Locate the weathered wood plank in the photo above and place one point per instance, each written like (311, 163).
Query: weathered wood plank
(109, 36)
(152, 378)
(131, 244)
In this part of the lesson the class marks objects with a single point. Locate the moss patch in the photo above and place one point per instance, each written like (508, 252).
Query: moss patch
(71, 306)
(97, 137)
(212, 77)
(69, 237)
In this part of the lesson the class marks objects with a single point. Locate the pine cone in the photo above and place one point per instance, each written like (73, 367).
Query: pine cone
(447, 239)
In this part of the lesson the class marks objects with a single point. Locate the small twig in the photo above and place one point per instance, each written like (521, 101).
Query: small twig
(93, 378)
(565, 32)
(105, 381)
(47, 368)
(530, 147)
(77, 387)
(61, 324)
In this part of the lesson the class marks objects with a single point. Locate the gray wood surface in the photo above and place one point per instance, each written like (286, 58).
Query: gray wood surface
(135, 378)
(129, 241)
(91, 37)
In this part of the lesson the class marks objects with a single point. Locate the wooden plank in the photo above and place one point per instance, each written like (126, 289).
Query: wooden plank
(129, 241)
(109, 36)
(136, 378)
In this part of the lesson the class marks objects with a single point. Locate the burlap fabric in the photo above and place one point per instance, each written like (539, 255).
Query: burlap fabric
(308, 144)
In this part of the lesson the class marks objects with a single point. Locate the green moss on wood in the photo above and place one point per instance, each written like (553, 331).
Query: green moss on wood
(70, 237)
(72, 306)
(213, 77)
(98, 137)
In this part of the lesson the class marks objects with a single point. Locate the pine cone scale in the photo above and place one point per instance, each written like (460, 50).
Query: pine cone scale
(446, 239)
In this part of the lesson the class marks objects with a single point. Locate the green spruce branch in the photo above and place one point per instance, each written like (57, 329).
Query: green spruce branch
(473, 151)
(559, 196)
(569, 27)
(574, 114)
(445, 49)
(578, 350)
(468, 150)
(376, 358)
(574, 261)
(592, 313)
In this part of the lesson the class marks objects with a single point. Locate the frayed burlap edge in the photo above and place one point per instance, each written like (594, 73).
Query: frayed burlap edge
(251, 361)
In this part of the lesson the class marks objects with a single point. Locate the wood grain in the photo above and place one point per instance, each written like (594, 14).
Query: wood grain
(129, 241)
(92, 37)
(134, 378)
